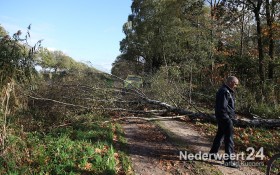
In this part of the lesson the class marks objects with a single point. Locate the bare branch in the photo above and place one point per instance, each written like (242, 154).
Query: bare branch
(67, 104)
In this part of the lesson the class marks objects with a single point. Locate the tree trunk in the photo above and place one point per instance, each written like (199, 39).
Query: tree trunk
(244, 122)
(269, 19)
(260, 44)
(256, 6)
(242, 32)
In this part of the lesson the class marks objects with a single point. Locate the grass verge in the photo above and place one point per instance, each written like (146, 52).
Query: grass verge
(86, 146)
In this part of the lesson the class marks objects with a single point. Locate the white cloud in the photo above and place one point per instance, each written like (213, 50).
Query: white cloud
(51, 49)
(103, 67)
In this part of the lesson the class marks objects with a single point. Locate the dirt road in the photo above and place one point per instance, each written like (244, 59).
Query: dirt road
(154, 149)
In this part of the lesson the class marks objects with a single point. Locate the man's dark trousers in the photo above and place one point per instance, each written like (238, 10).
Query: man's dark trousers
(225, 132)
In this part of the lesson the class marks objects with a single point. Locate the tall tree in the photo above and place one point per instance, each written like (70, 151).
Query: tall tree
(46, 59)
(3, 32)
(270, 9)
(256, 6)
(162, 33)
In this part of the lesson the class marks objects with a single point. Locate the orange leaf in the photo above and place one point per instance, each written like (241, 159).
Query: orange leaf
(97, 150)
(88, 166)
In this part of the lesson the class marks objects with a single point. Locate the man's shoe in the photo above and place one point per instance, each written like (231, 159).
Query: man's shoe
(231, 164)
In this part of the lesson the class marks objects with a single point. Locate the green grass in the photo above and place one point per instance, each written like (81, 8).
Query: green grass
(266, 110)
(81, 148)
(123, 151)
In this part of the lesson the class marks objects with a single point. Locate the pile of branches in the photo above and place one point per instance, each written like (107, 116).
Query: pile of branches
(58, 100)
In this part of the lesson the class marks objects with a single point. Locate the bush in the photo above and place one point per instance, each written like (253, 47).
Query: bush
(266, 110)
(85, 147)
(168, 86)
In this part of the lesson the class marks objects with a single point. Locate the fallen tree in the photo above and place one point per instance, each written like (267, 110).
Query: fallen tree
(81, 98)
(242, 122)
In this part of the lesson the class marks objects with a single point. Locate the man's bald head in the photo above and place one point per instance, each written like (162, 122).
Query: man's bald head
(232, 82)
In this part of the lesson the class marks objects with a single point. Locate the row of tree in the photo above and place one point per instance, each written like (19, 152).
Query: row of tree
(163, 33)
(57, 61)
(205, 41)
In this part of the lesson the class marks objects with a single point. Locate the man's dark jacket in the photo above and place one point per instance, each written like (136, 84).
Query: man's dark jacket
(225, 108)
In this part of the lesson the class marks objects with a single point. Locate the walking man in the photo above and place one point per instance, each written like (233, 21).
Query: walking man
(225, 113)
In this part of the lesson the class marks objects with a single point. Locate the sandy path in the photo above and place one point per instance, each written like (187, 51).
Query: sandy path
(153, 154)
(150, 152)
(196, 142)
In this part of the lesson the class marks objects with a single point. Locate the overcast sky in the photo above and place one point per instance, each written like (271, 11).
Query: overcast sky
(86, 30)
